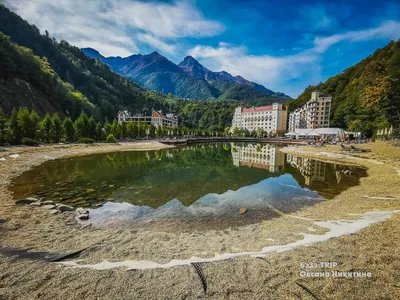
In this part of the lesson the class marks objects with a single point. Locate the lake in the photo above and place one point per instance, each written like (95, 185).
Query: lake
(193, 187)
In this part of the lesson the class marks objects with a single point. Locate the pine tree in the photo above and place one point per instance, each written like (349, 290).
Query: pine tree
(57, 129)
(69, 130)
(46, 126)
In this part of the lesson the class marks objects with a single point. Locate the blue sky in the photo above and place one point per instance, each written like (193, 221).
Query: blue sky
(284, 45)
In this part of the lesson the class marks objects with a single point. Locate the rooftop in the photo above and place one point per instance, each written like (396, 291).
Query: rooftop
(259, 109)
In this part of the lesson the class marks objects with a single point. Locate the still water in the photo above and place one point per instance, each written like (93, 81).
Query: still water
(202, 186)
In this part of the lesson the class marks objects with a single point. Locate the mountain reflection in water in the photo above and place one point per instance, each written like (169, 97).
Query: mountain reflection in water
(205, 184)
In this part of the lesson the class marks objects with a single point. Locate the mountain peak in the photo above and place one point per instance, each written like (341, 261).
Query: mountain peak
(92, 52)
(189, 61)
(155, 54)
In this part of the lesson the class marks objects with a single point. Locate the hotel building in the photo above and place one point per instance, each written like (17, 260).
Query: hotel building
(314, 114)
(156, 118)
(269, 118)
(258, 156)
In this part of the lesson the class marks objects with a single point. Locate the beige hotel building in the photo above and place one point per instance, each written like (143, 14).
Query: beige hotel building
(269, 118)
(314, 114)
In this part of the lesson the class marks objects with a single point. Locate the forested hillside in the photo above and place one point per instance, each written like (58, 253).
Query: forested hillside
(48, 76)
(106, 90)
(37, 85)
(366, 96)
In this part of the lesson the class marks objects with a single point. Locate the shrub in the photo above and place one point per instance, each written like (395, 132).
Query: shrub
(84, 140)
(111, 139)
(29, 142)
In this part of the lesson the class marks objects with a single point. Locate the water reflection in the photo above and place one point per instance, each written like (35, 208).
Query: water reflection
(202, 185)
(261, 156)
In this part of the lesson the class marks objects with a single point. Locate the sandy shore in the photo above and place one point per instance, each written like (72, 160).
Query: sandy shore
(373, 249)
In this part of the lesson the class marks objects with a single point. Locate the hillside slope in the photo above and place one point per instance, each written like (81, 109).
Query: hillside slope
(27, 80)
(106, 90)
(366, 96)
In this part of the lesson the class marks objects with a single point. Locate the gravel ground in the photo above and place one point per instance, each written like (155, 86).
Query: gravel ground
(277, 275)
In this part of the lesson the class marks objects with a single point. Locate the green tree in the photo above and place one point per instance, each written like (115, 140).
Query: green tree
(124, 130)
(27, 122)
(57, 129)
(107, 128)
(81, 125)
(116, 129)
(141, 130)
(159, 132)
(152, 131)
(46, 126)
(91, 130)
(69, 130)
(226, 131)
(100, 134)
(132, 130)
(235, 131)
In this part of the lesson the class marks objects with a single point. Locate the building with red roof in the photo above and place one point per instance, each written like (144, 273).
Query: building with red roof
(271, 119)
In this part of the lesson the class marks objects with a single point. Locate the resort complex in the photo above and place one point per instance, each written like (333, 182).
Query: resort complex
(271, 119)
(314, 114)
(126, 174)
(157, 118)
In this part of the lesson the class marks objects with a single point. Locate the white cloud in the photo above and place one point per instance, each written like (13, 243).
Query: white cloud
(268, 70)
(389, 29)
(156, 43)
(117, 27)
(279, 72)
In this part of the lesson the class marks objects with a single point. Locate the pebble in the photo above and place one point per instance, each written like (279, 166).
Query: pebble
(49, 206)
(32, 199)
(83, 217)
(48, 202)
(14, 156)
(243, 211)
(37, 203)
(83, 213)
(2, 159)
(63, 207)
(26, 201)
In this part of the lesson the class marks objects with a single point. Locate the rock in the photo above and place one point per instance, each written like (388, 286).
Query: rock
(2, 159)
(32, 199)
(98, 205)
(53, 212)
(83, 217)
(26, 201)
(347, 172)
(14, 156)
(243, 211)
(63, 207)
(37, 203)
(48, 202)
(50, 206)
(83, 213)
(2, 220)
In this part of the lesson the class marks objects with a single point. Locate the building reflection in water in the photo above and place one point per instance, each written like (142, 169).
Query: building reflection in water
(328, 179)
(259, 156)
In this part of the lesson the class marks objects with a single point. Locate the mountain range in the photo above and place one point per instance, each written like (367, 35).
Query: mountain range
(189, 79)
